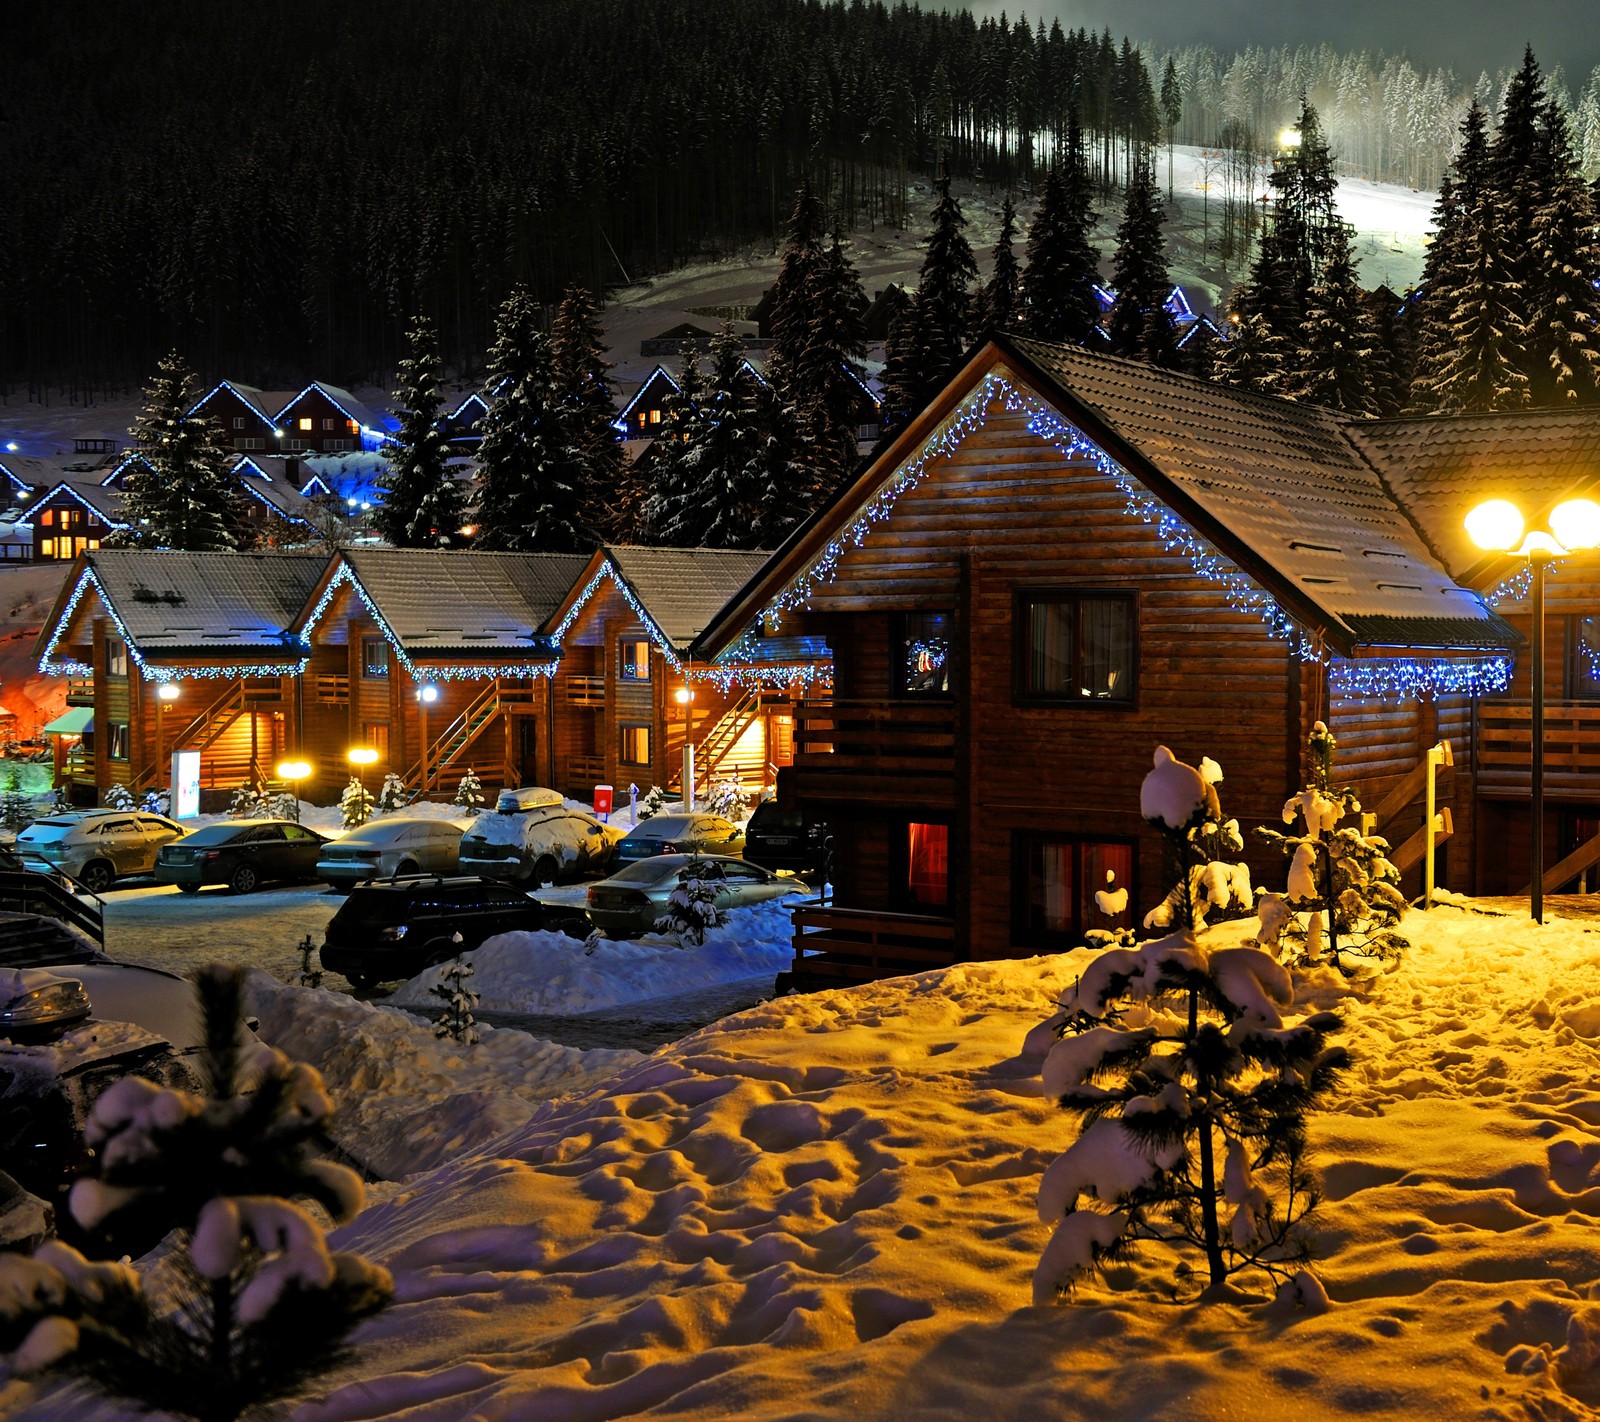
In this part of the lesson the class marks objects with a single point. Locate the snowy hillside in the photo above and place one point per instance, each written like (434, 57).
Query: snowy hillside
(825, 1208)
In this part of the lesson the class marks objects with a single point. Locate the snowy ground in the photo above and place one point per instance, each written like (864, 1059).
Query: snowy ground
(824, 1208)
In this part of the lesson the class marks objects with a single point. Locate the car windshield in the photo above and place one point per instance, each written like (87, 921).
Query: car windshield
(771, 820)
(47, 831)
(649, 871)
(663, 827)
(215, 834)
(378, 834)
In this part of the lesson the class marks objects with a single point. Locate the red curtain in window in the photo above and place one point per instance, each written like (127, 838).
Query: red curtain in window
(1106, 866)
(929, 865)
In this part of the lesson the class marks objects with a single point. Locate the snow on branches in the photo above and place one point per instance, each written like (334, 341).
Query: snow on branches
(692, 909)
(355, 805)
(457, 1021)
(1181, 802)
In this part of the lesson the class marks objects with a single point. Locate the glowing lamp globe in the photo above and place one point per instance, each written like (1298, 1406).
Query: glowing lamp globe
(428, 693)
(1496, 525)
(362, 755)
(293, 769)
(1289, 138)
(168, 691)
(1576, 523)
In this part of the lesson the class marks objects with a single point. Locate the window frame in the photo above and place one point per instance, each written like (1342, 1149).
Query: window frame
(118, 740)
(1022, 601)
(116, 657)
(1022, 840)
(899, 636)
(623, 727)
(624, 663)
(900, 896)
(367, 664)
(1570, 672)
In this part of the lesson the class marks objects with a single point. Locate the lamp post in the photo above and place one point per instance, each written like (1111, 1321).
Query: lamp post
(1498, 526)
(166, 693)
(427, 694)
(361, 757)
(294, 771)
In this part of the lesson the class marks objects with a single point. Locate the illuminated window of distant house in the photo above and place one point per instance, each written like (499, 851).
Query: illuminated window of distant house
(374, 657)
(635, 659)
(47, 518)
(116, 657)
(305, 422)
(1065, 885)
(655, 417)
(1075, 648)
(635, 748)
(921, 649)
(927, 882)
(1583, 658)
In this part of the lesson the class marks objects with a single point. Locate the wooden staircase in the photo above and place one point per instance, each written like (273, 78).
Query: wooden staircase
(712, 757)
(446, 752)
(199, 735)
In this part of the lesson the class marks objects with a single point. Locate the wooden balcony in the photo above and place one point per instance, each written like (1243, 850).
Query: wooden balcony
(835, 947)
(586, 691)
(80, 691)
(878, 751)
(331, 689)
(1571, 750)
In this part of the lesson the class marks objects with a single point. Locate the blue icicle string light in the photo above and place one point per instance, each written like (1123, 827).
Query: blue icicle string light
(771, 676)
(609, 570)
(1398, 677)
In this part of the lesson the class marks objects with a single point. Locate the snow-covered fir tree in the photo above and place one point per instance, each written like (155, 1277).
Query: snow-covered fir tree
(119, 797)
(929, 340)
(1516, 167)
(456, 1021)
(587, 395)
(726, 798)
(1340, 878)
(791, 319)
(1063, 265)
(250, 1301)
(1193, 1091)
(392, 794)
(180, 493)
(1255, 358)
(1304, 222)
(531, 471)
(998, 307)
(692, 909)
(654, 802)
(1563, 355)
(1340, 358)
(469, 792)
(823, 409)
(156, 802)
(247, 802)
(1139, 273)
(1209, 881)
(355, 804)
(423, 504)
(16, 811)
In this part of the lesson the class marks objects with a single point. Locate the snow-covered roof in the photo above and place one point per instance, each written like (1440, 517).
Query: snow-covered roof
(682, 589)
(26, 472)
(659, 373)
(343, 400)
(258, 402)
(100, 501)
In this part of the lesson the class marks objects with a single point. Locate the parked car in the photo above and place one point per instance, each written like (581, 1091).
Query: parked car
(98, 847)
(385, 847)
(539, 845)
(529, 797)
(783, 839)
(394, 928)
(680, 834)
(631, 900)
(243, 854)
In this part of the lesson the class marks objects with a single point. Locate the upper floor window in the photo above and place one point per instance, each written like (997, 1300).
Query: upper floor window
(116, 657)
(238, 422)
(1583, 658)
(305, 422)
(47, 519)
(374, 657)
(635, 653)
(921, 649)
(1075, 648)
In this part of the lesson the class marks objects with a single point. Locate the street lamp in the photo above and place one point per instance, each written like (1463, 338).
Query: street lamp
(1498, 526)
(427, 694)
(361, 757)
(294, 771)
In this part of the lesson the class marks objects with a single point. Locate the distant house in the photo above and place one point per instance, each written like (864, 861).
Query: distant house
(242, 414)
(69, 518)
(324, 419)
(881, 314)
(676, 340)
(463, 426)
(641, 417)
(21, 474)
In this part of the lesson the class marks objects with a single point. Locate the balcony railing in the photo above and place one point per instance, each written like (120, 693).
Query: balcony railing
(840, 946)
(80, 691)
(874, 751)
(1571, 746)
(586, 691)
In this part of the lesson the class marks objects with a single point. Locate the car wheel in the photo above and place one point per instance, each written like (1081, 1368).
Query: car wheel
(544, 872)
(243, 880)
(97, 877)
(409, 866)
(188, 888)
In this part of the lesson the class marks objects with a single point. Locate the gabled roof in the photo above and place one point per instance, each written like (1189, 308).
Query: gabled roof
(455, 605)
(119, 471)
(102, 502)
(1441, 466)
(256, 401)
(210, 606)
(25, 472)
(343, 400)
(658, 373)
(684, 588)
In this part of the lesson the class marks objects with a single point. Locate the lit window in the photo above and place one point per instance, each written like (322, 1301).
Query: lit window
(374, 658)
(635, 748)
(1060, 884)
(1075, 648)
(655, 417)
(117, 740)
(47, 518)
(47, 549)
(305, 422)
(635, 659)
(923, 654)
(928, 865)
(1583, 659)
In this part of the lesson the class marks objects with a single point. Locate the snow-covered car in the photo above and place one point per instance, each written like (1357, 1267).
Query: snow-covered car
(631, 900)
(681, 834)
(546, 844)
(97, 847)
(385, 847)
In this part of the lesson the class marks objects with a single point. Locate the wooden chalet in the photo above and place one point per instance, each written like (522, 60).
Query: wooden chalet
(71, 518)
(173, 651)
(1065, 561)
(244, 414)
(437, 660)
(628, 695)
(324, 419)
(641, 417)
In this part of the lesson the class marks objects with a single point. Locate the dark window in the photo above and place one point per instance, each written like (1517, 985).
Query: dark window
(1075, 647)
(297, 834)
(921, 648)
(374, 657)
(1583, 658)
(117, 740)
(116, 657)
(1056, 881)
(635, 748)
(635, 653)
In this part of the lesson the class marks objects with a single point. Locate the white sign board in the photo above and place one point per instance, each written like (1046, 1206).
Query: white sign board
(185, 785)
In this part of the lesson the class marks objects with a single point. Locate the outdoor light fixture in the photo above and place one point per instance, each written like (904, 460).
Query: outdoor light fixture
(362, 755)
(428, 693)
(1289, 138)
(294, 771)
(168, 691)
(1498, 526)
(683, 696)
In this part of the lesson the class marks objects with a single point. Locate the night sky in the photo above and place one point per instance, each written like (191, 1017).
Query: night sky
(1471, 35)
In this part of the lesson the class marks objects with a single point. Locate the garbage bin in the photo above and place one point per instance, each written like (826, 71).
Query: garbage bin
(602, 802)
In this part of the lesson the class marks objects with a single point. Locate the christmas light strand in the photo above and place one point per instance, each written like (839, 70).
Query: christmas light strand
(608, 569)
(1403, 677)
(773, 676)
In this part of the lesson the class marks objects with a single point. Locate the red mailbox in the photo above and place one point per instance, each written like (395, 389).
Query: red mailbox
(602, 801)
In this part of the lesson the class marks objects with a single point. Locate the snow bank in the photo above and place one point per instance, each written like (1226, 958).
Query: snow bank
(551, 974)
(407, 1100)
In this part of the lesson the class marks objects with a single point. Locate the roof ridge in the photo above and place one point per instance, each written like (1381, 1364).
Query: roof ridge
(1366, 457)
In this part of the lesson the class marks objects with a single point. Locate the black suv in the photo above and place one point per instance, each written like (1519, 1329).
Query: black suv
(781, 839)
(394, 928)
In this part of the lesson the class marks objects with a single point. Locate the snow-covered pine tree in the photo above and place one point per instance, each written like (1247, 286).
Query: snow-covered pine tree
(792, 289)
(943, 301)
(469, 792)
(692, 910)
(726, 798)
(998, 307)
(1516, 168)
(1193, 1091)
(1063, 263)
(251, 1302)
(119, 797)
(456, 1021)
(181, 493)
(1139, 272)
(1254, 358)
(825, 406)
(1209, 883)
(587, 395)
(654, 802)
(156, 802)
(423, 504)
(1171, 111)
(531, 475)
(355, 804)
(1341, 878)
(392, 794)
(1339, 355)
(684, 485)
(1304, 217)
(247, 802)
(902, 386)
(1160, 339)
(1563, 306)
(16, 812)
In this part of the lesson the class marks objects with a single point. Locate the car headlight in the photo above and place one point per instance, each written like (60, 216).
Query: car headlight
(54, 1002)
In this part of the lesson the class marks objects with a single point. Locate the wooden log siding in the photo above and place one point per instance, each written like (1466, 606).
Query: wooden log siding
(1211, 680)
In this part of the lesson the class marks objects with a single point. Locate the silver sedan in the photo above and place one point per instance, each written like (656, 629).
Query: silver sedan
(384, 847)
(632, 899)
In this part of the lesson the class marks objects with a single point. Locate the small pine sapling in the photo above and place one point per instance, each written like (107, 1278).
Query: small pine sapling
(156, 802)
(285, 805)
(654, 802)
(247, 804)
(1341, 879)
(249, 1302)
(469, 793)
(727, 799)
(16, 812)
(1206, 885)
(1112, 904)
(392, 794)
(692, 909)
(457, 1021)
(1193, 1093)
(119, 797)
(355, 805)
